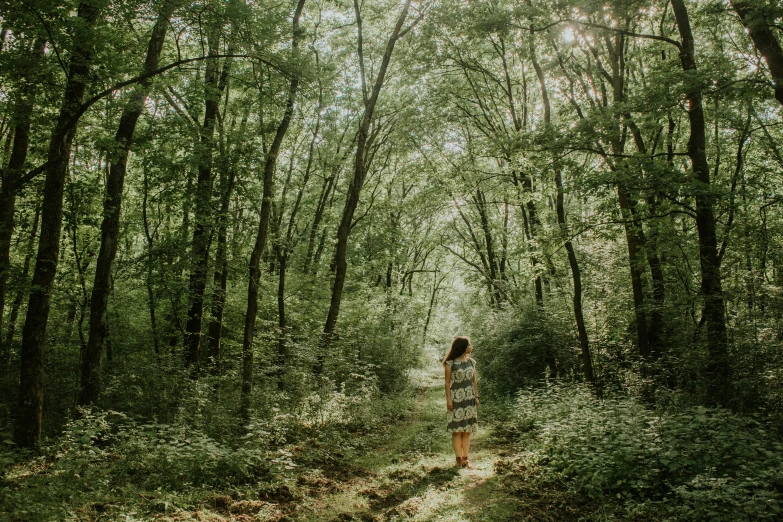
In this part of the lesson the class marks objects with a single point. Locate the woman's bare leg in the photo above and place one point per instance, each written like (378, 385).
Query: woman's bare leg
(465, 442)
(456, 443)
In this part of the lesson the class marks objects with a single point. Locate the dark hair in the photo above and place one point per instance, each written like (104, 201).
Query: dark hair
(458, 347)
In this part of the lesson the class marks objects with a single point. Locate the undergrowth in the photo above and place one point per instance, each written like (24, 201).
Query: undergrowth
(106, 465)
(692, 464)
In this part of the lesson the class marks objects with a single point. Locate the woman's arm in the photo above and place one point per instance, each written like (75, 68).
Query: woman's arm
(475, 385)
(449, 404)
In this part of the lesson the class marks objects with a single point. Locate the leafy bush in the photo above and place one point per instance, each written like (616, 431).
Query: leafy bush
(155, 454)
(518, 351)
(696, 464)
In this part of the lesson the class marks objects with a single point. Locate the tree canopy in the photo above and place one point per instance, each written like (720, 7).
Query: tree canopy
(282, 198)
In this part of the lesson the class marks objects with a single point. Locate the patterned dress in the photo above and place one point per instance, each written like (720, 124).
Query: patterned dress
(463, 417)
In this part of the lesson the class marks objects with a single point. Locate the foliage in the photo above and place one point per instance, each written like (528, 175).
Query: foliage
(520, 348)
(692, 464)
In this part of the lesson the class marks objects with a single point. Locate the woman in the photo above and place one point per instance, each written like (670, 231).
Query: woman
(462, 398)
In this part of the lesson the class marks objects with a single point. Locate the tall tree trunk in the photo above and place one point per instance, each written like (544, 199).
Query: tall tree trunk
(22, 291)
(263, 225)
(12, 175)
(27, 431)
(282, 262)
(214, 84)
(532, 222)
(760, 28)
(576, 274)
(634, 235)
(323, 199)
(150, 267)
(435, 287)
(359, 173)
(492, 262)
(635, 242)
(112, 206)
(649, 245)
(220, 279)
(714, 306)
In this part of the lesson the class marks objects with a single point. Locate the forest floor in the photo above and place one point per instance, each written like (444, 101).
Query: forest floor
(405, 472)
(408, 473)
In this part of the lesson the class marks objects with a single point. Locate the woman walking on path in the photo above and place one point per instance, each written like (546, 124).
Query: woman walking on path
(462, 398)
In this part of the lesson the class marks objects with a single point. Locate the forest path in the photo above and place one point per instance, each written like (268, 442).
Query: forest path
(409, 473)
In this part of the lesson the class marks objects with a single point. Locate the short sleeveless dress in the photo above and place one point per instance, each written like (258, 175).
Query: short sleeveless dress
(463, 418)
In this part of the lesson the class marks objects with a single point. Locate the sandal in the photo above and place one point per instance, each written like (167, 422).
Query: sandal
(459, 462)
(466, 463)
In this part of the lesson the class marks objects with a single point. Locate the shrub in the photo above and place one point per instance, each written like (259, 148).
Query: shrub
(520, 351)
(695, 464)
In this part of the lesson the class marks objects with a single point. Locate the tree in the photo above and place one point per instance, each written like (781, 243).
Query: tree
(263, 225)
(27, 430)
(112, 205)
(370, 99)
(711, 284)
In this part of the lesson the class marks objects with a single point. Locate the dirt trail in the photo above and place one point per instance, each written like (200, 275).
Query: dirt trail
(410, 475)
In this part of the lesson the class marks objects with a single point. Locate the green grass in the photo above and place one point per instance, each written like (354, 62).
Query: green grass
(400, 468)
(410, 473)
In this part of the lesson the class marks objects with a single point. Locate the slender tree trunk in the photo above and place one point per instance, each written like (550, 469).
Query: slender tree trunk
(531, 224)
(27, 431)
(263, 225)
(214, 84)
(220, 280)
(22, 291)
(435, 287)
(177, 261)
(11, 177)
(634, 234)
(150, 268)
(760, 29)
(112, 206)
(587, 360)
(360, 171)
(718, 369)
(492, 262)
(323, 199)
(282, 261)
(576, 274)
(635, 244)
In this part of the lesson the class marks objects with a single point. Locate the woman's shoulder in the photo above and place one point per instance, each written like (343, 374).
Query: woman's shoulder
(448, 363)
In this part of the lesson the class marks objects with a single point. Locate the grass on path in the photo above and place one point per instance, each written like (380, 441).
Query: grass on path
(410, 473)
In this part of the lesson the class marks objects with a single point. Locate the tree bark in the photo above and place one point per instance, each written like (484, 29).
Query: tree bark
(27, 431)
(150, 267)
(634, 235)
(22, 291)
(11, 177)
(323, 199)
(718, 370)
(263, 225)
(214, 84)
(282, 261)
(576, 274)
(359, 173)
(481, 206)
(635, 241)
(112, 206)
(436, 282)
(220, 279)
(763, 36)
